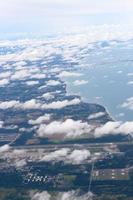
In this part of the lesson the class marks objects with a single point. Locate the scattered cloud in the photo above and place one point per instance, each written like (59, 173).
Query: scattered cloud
(130, 83)
(61, 104)
(80, 82)
(1, 124)
(114, 128)
(8, 104)
(4, 82)
(40, 119)
(41, 196)
(128, 103)
(130, 74)
(79, 156)
(96, 115)
(67, 129)
(58, 155)
(74, 157)
(70, 195)
(53, 83)
(34, 104)
(48, 96)
(4, 148)
(64, 74)
(30, 83)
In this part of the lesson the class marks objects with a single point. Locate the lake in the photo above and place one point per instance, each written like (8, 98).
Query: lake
(107, 78)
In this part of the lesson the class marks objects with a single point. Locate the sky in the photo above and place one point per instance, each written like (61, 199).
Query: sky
(55, 16)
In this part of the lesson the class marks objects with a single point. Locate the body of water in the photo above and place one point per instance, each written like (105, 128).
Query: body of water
(107, 79)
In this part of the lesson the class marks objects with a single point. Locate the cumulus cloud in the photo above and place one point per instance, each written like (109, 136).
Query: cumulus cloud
(78, 156)
(41, 196)
(4, 82)
(20, 163)
(74, 157)
(4, 148)
(128, 103)
(6, 74)
(58, 155)
(96, 115)
(107, 128)
(30, 83)
(64, 74)
(48, 96)
(69, 195)
(40, 119)
(67, 129)
(53, 83)
(114, 128)
(8, 104)
(61, 104)
(80, 82)
(31, 104)
(34, 104)
(20, 75)
(38, 76)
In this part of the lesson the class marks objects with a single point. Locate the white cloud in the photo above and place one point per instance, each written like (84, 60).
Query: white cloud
(80, 82)
(40, 119)
(96, 115)
(128, 103)
(31, 104)
(20, 163)
(5, 74)
(61, 104)
(38, 76)
(53, 83)
(1, 124)
(78, 156)
(8, 104)
(4, 148)
(4, 82)
(70, 195)
(56, 155)
(61, 8)
(34, 104)
(41, 196)
(64, 74)
(119, 72)
(74, 195)
(48, 96)
(126, 128)
(114, 128)
(130, 74)
(107, 128)
(30, 83)
(130, 83)
(20, 75)
(67, 129)
(74, 157)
